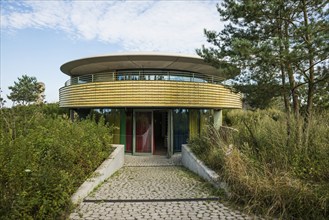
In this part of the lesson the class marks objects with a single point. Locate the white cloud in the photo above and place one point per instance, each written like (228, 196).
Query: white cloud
(175, 26)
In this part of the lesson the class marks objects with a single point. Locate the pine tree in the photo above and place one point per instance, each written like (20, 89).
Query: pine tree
(26, 90)
(279, 42)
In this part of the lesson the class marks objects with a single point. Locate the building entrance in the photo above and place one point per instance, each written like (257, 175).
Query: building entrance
(144, 132)
(160, 128)
(150, 132)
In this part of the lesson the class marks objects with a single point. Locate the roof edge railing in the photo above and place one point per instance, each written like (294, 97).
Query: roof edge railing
(179, 76)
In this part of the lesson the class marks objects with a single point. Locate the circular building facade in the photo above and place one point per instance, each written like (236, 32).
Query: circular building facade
(156, 101)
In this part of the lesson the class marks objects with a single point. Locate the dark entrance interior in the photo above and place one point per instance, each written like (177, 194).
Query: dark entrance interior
(160, 128)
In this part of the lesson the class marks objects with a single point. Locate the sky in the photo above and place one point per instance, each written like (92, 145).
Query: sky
(37, 37)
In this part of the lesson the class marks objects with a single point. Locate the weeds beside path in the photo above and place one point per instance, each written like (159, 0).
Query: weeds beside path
(266, 168)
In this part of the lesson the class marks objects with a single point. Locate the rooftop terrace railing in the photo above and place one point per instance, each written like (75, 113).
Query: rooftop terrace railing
(145, 75)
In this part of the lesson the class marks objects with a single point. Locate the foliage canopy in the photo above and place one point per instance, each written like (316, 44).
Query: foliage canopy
(281, 43)
(26, 90)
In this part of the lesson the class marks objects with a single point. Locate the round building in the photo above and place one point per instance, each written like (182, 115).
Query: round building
(155, 101)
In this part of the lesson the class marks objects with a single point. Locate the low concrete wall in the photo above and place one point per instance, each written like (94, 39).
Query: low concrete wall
(191, 162)
(113, 163)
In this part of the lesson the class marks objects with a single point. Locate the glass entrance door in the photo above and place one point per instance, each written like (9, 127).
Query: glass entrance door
(160, 132)
(144, 132)
(181, 128)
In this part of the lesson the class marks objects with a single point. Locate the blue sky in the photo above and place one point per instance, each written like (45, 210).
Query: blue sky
(37, 37)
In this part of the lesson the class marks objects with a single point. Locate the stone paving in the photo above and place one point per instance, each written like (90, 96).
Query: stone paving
(153, 187)
(153, 160)
(151, 183)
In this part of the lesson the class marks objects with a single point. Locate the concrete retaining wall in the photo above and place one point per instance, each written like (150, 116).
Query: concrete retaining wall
(113, 163)
(191, 162)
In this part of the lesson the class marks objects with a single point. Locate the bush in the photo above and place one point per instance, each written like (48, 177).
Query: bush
(44, 158)
(270, 170)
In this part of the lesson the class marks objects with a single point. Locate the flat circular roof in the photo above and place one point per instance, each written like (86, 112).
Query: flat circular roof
(139, 60)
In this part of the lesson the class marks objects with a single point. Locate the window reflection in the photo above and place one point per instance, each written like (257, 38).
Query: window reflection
(187, 123)
(144, 132)
(181, 128)
(142, 74)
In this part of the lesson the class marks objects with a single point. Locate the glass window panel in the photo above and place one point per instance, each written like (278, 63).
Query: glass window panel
(144, 132)
(181, 128)
(194, 123)
(129, 131)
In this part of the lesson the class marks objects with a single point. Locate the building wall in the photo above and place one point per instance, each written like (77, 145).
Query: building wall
(149, 94)
(188, 123)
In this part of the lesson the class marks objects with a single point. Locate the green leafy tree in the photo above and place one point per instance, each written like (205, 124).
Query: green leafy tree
(275, 42)
(27, 90)
(283, 42)
(2, 101)
(258, 95)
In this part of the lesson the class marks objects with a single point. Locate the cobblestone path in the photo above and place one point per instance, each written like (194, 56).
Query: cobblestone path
(153, 187)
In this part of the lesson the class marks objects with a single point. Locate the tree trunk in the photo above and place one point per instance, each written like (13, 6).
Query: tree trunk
(292, 86)
(284, 92)
(283, 74)
(310, 92)
(290, 72)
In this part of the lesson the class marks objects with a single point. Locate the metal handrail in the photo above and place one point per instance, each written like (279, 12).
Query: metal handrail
(166, 75)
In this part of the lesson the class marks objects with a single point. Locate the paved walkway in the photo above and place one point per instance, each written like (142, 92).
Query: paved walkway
(153, 187)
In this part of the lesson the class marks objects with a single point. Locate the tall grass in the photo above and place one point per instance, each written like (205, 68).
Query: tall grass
(44, 157)
(269, 170)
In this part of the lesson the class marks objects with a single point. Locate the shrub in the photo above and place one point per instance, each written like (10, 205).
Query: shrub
(44, 158)
(269, 170)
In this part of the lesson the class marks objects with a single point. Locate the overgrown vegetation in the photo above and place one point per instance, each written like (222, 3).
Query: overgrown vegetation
(44, 158)
(277, 162)
(269, 170)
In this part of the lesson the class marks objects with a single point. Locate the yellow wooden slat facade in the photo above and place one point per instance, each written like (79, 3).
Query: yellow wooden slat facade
(149, 94)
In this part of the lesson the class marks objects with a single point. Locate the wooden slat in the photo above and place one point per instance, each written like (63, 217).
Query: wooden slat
(149, 94)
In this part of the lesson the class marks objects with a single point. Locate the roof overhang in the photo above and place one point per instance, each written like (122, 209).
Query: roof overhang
(125, 61)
